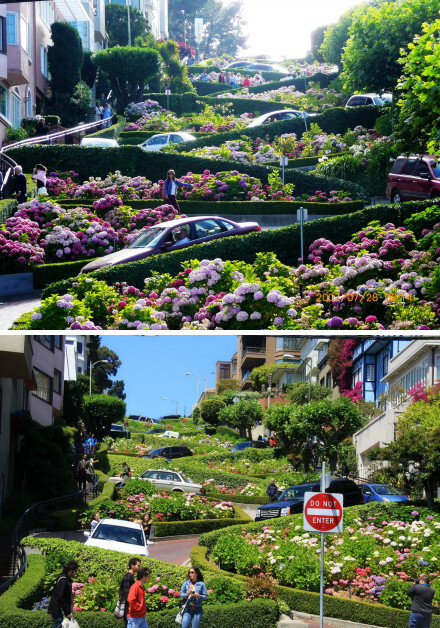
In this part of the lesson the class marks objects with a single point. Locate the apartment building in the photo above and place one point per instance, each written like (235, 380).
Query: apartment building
(75, 357)
(31, 383)
(156, 11)
(386, 376)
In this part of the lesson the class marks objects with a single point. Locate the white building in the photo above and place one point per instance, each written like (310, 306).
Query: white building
(156, 11)
(75, 357)
(416, 363)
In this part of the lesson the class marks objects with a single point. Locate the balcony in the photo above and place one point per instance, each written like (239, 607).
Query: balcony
(16, 357)
(253, 357)
(18, 66)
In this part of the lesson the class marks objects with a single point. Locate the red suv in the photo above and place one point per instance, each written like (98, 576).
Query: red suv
(414, 178)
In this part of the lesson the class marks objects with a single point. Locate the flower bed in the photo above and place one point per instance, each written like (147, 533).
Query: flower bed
(314, 99)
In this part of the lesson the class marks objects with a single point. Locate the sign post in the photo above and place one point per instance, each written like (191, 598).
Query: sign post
(323, 513)
(284, 161)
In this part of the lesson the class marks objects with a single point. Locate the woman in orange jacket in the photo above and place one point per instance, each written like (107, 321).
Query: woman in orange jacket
(137, 608)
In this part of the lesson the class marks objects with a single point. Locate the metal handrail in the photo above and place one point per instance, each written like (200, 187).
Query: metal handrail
(22, 528)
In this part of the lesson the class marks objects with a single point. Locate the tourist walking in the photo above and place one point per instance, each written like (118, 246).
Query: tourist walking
(94, 522)
(272, 490)
(137, 608)
(421, 595)
(81, 473)
(125, 474)
(147, 522)
(193, 590)
(170, 189)
(40, 178)
(99, 111)
(134, 564)
(60, 604)
(20, 185)
(106, 115)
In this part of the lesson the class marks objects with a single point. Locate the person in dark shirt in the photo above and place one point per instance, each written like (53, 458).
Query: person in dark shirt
(41, 128)
(272, 491)
(134, 564)
(20, 185)
(421, 605)
(60, 604)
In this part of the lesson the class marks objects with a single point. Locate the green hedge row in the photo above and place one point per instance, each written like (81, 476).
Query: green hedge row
(7, 207)
(201, 526)
(111, 132)
(187, 102)
(205, 89)
(257, 614)
(308, 601)
(284, 242)
(241, 499)
(48, 273)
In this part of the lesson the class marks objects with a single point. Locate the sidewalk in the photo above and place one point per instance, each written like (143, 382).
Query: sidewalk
(12, 307)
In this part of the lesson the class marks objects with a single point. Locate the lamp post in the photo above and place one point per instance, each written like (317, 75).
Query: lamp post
(174, 401)
(198, 381)
(184, 26)
(129, 25)
(90, 373)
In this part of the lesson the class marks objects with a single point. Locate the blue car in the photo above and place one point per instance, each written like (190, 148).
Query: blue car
(381, 493)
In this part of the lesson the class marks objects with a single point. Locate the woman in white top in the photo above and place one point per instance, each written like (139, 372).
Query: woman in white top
(39, 176)
(95, 520)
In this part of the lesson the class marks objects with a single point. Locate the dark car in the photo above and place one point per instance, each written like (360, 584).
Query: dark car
(258, 444)
(381, 493)
(291, 500)
(414, 178)
(155, 430)
(164, 237)
(119, 431)
(169, 453)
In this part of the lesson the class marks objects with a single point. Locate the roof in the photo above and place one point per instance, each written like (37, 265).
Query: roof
(183, 221)
(121, 523)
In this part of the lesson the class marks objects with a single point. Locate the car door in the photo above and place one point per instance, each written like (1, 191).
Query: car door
(421, 181)
(368, 494)
(175, 139)
(206, 230)
(177, 482)
(405, 180)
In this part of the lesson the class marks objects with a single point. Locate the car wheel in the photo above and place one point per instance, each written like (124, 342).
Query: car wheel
(176, 490)
(396, 197)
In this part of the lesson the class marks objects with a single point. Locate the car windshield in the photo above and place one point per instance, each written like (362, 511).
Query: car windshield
(187, 479)
(239, 446)
(108, 532)
(436, 169)
(149, 237)
(386, 490)
(295, 492)
(156, 451)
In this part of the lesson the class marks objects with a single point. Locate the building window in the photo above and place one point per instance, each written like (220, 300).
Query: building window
(58, 342)
(4, 102)
(43, 61)
(283, 343)
(28, 101)
(385, 364)
(289, 378)
(44, 386)
(57, 379)
(47, 12)
(3, 48)
(371, 373)
(46, 341)
(26, 35)
(322, 382)
(328, 382)
(356, 377)
(12, 28)
(16, 110)
(80, 370)
(225, 371)
(417, 375)
(79, 347)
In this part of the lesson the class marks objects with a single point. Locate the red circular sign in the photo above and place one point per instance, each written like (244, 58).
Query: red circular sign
(323, 512)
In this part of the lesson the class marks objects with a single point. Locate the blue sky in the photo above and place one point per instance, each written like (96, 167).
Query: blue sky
(154, 367)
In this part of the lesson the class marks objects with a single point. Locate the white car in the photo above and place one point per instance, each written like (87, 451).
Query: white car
(171, 434)
(167, 480)
(120, 536)
(99, 142)
(157, 142)
(276, 116)
(369, 99)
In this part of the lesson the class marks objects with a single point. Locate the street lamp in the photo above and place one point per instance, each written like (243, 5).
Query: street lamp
(174, 401)
(90, 374)
(198, 381)
(184, 26)
(129, 25)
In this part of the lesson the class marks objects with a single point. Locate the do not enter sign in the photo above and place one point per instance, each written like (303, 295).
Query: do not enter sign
(323, 512)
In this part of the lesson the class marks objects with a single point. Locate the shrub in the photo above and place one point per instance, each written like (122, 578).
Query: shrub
(135, 487)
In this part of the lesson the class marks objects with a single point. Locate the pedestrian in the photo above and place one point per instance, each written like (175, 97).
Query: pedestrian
(20, 185)
(103, 101)
(272, 490)
(60, 604)
(147, 522)
(40, 178)
(170, 189)
(92, 442)
(81, 473)
(41, 128)
(94, 522)
(421, 594)
(99, 110)
(193, 590)
(125, 474)
(246, 82)
(106, 115)
(134, 564)
(137, 608)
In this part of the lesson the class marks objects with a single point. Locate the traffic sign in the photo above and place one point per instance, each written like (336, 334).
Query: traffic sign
(323, 512)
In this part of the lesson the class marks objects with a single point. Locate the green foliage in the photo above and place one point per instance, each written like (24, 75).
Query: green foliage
(227, 384)
(210, 410)
(74, 391)
(101, 410)
(128, 70)
(301, 392)
(65, 58)
(198, 526)
(88, 69)
(196, 415)
(135, 487)
(335, 38)
(317, 37)
(116, 24)
(394, 595)
(227, 431)
(222, 27)
(242, 415)
(260, 375)
(15, 134)
(102, 372)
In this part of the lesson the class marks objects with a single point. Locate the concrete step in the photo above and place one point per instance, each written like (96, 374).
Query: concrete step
(286, 622)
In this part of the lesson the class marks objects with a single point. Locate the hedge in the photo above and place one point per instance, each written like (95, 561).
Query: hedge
(200, 526)
(188, 102)
(48, 273)
(7, 207)
(241, 499)
(305, 161)
(257, 614)
(205, 89)
(308, 601)
(113, 131)
(284, 242)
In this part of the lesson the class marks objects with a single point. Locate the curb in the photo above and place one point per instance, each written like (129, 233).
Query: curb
(341, 623)
(178, 537)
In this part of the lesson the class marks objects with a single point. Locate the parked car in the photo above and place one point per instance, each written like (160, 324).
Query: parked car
(258, 444)
(291, 500)
(99, 142)
(169, 452)
(238, 64)
(120, 536)
(164, 238)
(157, 142)
(414, 178)
(119, 431)
(276, 116)
(267, 67)
(167, 480)
(171, 434)
(381, 493)
(155, 430)
(358, 100)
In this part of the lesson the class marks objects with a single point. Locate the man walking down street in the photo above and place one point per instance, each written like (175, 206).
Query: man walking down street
(137, 607)
(60, 604)
(134, 564)
(81, 473)
(421, 605)
(272, 490)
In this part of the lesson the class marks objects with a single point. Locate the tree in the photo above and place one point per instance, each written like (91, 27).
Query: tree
(340, 359)
(299, 392)
(371, 56)
(335, 38)
(74, 391)
(116, 24)
(177, 18)
(223, 28)
(128, 71)
(227, 384)
(65, 58)
(242, 415)
(100, 411)
(292, 433)
(117, 389)
(317, 37)
(260, 375)
(210, 409)
(419, 120)
(88, 70)
(176, 73)
(101, 372)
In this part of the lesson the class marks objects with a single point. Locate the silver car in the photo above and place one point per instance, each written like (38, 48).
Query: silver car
(157, 142)
(167, 480)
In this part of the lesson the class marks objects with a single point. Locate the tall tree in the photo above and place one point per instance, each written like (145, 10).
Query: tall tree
(317, 37)
(116, 24)
(117, 389)
(88, 70)
(100, 411)
(65, 59)
(74, 391)
(371, 56)
(243, 415)
(210, 409)
(128, 71)
(101, 372)
(223, 28)
(181, 14)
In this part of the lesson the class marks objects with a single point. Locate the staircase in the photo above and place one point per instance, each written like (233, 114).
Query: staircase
(6, 557)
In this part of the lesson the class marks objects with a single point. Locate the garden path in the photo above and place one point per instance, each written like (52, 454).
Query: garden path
(13, 307)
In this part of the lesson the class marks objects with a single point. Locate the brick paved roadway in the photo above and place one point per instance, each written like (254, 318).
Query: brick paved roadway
(176, 552)
(13, 307)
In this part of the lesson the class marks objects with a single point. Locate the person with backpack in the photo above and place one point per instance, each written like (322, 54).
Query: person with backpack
(134, 564)
(61, 601)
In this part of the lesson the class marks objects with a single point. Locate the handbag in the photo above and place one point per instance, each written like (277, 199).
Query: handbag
(119, 610)
(42, 190)
(69, 623)
(179, 616)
